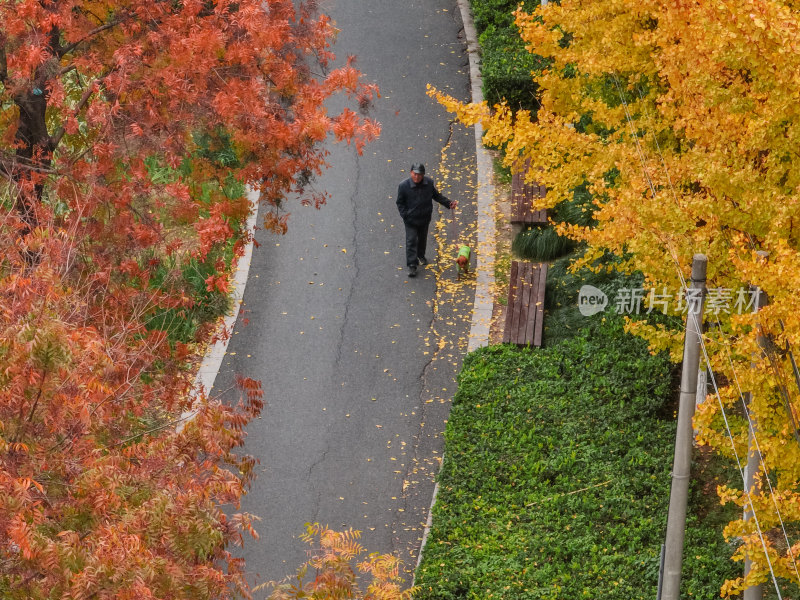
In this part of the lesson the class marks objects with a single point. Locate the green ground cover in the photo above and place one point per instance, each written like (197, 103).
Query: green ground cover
(556, 478)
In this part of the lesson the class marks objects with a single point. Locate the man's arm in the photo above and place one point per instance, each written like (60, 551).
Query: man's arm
(402, 204)
(440, 198)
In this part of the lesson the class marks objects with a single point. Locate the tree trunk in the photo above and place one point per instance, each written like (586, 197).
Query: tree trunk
(34, 153)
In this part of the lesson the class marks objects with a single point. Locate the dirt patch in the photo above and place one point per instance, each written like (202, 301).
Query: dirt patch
(503, 238)
(496, 328)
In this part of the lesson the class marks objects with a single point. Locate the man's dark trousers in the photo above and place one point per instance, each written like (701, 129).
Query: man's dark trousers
(416, 242)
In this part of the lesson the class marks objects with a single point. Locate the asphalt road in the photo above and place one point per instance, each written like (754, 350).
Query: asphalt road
(357, 361)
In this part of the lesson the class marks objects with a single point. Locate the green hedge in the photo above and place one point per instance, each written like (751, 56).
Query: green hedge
(556, 478)
(562, 317)
(506, 65)
(497, 12)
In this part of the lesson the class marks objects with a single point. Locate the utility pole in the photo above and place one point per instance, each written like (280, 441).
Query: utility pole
(682, 462)
(754, 456)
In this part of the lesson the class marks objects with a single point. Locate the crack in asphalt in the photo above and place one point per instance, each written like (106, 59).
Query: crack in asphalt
(342, 328)
(416, 465)
(318, 503)
(313, 465)
(354, 242)
(435, 299)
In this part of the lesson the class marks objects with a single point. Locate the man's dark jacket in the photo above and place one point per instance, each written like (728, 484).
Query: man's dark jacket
(414, 200)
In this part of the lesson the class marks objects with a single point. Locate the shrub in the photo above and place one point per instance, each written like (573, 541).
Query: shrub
(333, 574)
(183, 324)
(578, 210)
(563, 320)
(190, 273)
(506, 65)
(497, 12)
(541, 243)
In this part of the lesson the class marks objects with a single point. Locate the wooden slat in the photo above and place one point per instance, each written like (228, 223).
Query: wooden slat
(513, 309)
(524, 300)
(522, 196)
(518, 199)
(537, 332)
(517, 310)
(526, 329)
(525, 311)
(538, 216)
(512, 293)
(533, 313)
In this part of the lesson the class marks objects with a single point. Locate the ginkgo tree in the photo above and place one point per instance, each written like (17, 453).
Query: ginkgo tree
(103, 496)
(682, 118)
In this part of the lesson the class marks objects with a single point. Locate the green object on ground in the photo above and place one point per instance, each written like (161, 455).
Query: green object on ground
(464, 251)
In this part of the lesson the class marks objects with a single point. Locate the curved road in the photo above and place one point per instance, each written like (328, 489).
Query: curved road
(358, 363)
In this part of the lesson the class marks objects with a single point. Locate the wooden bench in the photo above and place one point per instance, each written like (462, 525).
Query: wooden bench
(525, 310)
(522, 197)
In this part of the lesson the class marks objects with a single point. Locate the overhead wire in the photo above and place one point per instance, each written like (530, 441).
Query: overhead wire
(762, 464)
(788, 349)
(640, 152)
(691, 314)
(751, 426)
(774, 364)
(780, 378)
(738, 462)
(779, 375)
(778, 370)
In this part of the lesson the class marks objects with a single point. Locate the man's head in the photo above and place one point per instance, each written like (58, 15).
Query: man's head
(417, 172)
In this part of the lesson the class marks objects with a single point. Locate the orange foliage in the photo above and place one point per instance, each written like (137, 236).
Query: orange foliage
(334, 577)
(103, 496)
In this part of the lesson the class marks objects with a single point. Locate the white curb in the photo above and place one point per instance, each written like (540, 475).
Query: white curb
(212, 360)
(482, 310)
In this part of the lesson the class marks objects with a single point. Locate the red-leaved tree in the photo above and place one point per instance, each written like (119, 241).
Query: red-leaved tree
(124, 128)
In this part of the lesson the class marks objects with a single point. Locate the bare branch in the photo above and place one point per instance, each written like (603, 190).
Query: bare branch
(67, 69)
(9, 162)
(63, 50)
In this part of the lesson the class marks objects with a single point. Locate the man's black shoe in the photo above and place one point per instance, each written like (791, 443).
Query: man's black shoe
(423, 261)
(412, 271)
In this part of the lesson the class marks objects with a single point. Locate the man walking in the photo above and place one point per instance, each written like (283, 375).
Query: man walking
(415, 197)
